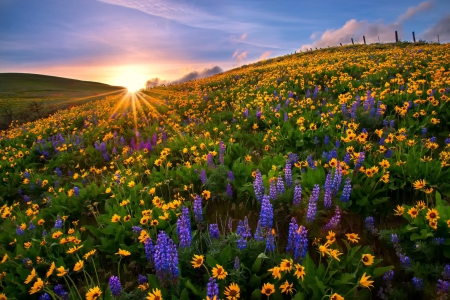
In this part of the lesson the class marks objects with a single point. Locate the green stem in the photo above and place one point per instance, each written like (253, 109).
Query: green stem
(96, 275)
(118, 268)
(73, 283)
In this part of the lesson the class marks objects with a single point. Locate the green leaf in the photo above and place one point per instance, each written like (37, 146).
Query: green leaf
(184, 295)
(381, 270)
(299, 296)
(363, 201)
(256, 294)
(320, 285)
(189, 285)
(211, 261)
(255, 281)
(380, 200)
(439, 201)
(422, 236)
(225, 256)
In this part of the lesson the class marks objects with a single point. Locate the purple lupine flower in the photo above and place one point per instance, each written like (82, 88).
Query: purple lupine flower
(236, 263)
(388, 276)
(222, 147)
(136, 229)
(142, 279)
(270, 242)
(31, 226)
(266, 214)
(326, 140)
(247, 231)
(166, 259)
(45, 296)
(292, 159)
(446, 273)
(424, 131)
(212, 289)
(258, 186)
(230, 176)
(405, 261)
(19, 230)
(149, 250)
(214, 231)
(297, 195)
(76, 191)
(58, 222)
(370, 225)
(242, 242)
(246, 113)
(346, 191)
(360, 160)
(334, 221)
(115, 286)
(198, 212)
(60, 292)
(272, 190)
(288, 174)
(327, 200)
(418, 283)
(209, 160)
(203, 176)
(26, 175)
(442, 288)
(388, 153)
(229, 190)
(286, 117)
(312, 205)
(259, 234)
(280, 185)
(184, 228)
(258, 113)
(311, 163)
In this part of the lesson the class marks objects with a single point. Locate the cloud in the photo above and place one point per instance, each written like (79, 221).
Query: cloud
(441, 27)
(265, 55)
(243, 37)
(199, 74)
(239, 57)
(356, 29)
(155, 82)
(414, 10)
(235, 53)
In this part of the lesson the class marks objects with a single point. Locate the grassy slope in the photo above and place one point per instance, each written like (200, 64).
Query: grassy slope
(19, 89)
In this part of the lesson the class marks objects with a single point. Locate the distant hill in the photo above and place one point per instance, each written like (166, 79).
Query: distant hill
(18, 91)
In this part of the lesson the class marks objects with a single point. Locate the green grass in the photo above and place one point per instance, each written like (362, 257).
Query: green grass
(20, 90)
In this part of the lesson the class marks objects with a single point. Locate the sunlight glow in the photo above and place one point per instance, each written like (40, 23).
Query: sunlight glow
(132, 78)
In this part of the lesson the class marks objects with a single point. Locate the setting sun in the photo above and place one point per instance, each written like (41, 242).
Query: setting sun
(132, 78)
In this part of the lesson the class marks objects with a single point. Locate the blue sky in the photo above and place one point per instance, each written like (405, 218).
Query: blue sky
(113, 41)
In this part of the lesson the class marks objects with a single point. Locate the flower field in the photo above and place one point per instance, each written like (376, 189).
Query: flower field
(317, 175)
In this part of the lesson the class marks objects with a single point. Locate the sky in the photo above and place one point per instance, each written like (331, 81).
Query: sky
(127, 42)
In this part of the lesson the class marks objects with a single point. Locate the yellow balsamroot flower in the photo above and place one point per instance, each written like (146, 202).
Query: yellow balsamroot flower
(352, 237)
(364, 282)
(336, 296)
(206, 194)
(37, 286)
(419, 184)
(30, 277)
(286, 265)
(286, 287)
(299, 271)
(219, 272)
(78, 266)
(154, 295)
(89, 254)
(420, 205)
(61, 271)
(331, 237)
(3, 297)
(232, 291)
(367, 259)
(123, 252)
(74, 249)
(276, 272)
(115, 218)
(94, 293)
(5, 258)
(432, 214)
(413, 212)
(335, 253)
(197, 261)
(399, 211)
(50, 270)
(268, 289)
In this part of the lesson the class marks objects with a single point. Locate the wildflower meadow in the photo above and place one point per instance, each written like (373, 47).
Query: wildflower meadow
(317, 175)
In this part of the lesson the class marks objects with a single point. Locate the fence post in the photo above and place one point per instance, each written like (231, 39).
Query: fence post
(396, 36)
(352, 41)
(364, 38)
(414, 37)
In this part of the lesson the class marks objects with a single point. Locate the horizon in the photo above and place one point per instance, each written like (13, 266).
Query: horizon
(131, 43)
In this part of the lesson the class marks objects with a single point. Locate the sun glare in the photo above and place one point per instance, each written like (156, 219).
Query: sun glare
(133, 79)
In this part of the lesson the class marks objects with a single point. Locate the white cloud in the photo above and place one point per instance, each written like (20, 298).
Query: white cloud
(414, 10)
(243, 37)
(265, 55)
(441, 27)
(235, 53)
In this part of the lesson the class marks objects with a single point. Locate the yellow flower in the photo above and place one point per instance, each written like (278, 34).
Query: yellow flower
(276, 272)
(367, 259)
(331, 237)
(364, 282)
(419, 184)
(399, 211)
(335, 253)
(206, 194)
(286, 287)
(413, 212)
(3, 297)
(78, 266)
(432, 214)
(30, 277)
(299, 271)
(336, 296)
(219, 272)
(5, 258)
(155, 295)
(37, 286)
(115, 218)
(268, 289)
(248, 158)
(286, 265)
(197, 261)
(61, 271)
(94, 293)
(131, 184)
(123, 252)
(352, 237)
(74, 249)
(89, 254)
(232, 291)
(50, 270)
(323, 249)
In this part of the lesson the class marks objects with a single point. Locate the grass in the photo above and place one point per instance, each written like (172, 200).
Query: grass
(28, 97)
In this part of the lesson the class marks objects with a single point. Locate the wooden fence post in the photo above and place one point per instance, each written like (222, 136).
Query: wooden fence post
(364, 38)
(396, 36)
(352, 41)
(414, 37)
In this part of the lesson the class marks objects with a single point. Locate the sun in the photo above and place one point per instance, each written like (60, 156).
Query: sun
(133, 79)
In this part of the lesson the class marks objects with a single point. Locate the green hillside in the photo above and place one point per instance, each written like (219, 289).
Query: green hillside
(26, 97)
